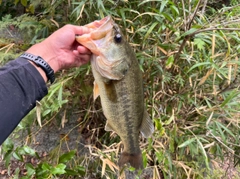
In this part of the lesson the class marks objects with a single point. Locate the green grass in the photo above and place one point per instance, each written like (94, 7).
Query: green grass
(190, 62)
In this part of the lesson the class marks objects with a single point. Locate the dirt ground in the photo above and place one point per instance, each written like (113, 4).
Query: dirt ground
(46, 142)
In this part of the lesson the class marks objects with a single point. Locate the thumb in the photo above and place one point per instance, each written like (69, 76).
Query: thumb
(80, 30)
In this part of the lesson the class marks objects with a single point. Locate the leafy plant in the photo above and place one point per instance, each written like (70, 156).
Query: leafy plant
(188, 52)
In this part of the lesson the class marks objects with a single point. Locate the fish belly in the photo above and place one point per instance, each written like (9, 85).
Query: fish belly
(123, 106)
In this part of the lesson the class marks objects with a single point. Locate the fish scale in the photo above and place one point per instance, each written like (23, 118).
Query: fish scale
(118, 82)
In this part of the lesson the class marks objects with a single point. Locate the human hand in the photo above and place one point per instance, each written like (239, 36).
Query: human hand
(60, 50)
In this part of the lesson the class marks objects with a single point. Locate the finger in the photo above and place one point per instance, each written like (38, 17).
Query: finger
(83, 59)
(83, 50)
(77, 54)
(79, 30)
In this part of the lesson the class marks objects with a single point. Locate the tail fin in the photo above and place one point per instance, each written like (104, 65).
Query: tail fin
(135, 160)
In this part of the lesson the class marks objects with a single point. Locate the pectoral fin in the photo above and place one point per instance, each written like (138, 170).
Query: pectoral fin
(147, 127)
(95, 90)
(108, 127)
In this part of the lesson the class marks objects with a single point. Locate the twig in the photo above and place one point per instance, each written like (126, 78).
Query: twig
(227, 23)
(181, 47)
(194, 14)
(197, 32)
(229, 8)
(230, 86)
(212, 29)
(217, 138)
(188, 26)
(184, 16)
(204, 6)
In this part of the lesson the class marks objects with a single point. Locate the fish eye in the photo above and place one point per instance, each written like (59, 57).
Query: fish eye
(118, 38)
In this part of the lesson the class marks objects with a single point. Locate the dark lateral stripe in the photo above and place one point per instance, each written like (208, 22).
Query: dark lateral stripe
(126, 104)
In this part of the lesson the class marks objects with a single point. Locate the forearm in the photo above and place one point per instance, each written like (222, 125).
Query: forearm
(47, 53)
(20, 86)
(23, 81)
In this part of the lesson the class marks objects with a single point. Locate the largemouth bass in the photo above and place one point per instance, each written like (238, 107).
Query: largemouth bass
(118, 81)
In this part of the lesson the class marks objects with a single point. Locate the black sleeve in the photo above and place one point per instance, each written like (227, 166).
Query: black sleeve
(20, 86)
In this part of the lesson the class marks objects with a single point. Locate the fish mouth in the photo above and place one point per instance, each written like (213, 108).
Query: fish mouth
(99, 40)
(96, 38)
(99, 29)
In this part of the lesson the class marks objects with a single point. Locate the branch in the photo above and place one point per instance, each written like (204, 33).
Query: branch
(184, 16)
(194, 14)
(204, 6)
(187, 27)
(211, 29)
